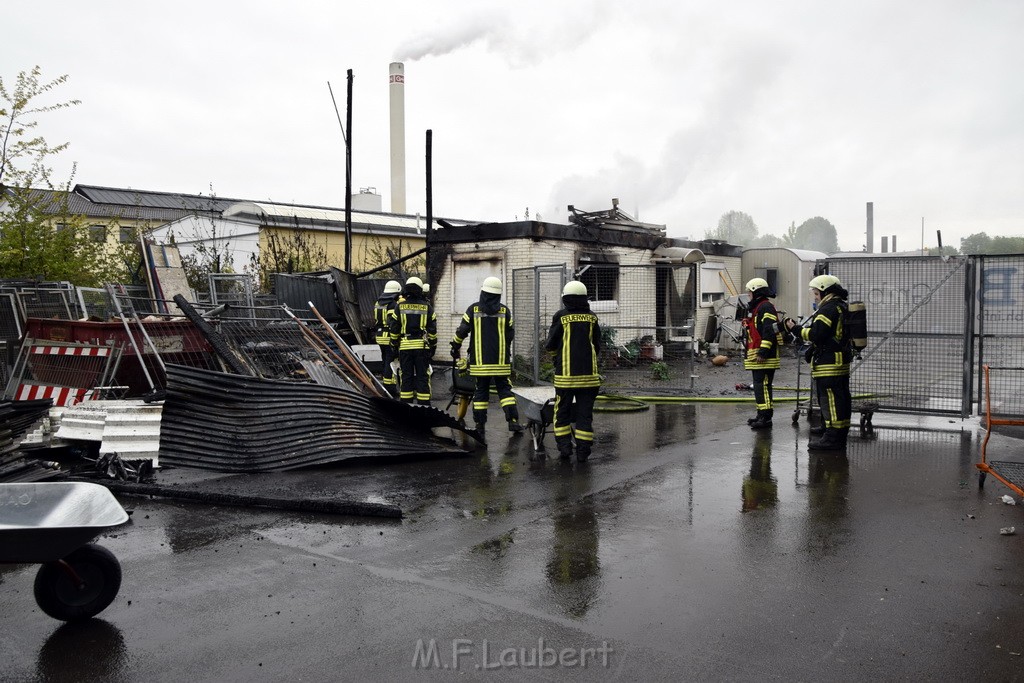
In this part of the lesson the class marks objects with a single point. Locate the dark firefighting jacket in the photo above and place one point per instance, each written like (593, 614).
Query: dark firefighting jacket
(831, 350)
(381, 324)
(491, 329)
(575, 337)
(412, 324)
(761, 326)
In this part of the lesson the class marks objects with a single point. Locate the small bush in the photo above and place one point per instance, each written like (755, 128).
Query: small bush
(659, 370)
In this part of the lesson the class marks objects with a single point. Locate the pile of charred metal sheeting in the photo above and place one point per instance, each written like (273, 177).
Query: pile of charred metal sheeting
(233, 423)
(16, 419)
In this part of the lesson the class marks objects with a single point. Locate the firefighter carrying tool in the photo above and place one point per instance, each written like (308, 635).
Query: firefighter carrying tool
(489, 325)
(830, 355)
(763, 349)
(575, 338)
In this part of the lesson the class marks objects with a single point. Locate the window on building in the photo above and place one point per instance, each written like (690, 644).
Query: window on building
(98, 233)
(600, 274)
(60, 227)
(771, 276)
(127, 235)
(712, 282)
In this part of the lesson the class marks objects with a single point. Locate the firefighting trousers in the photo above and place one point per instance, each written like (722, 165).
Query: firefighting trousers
(835, 401)
(482, 396)
(575, 406)
(762, 381)
(387, 354)
(415, 382)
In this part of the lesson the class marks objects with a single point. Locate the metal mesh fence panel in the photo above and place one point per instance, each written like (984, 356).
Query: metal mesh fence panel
(646, 316)
(536, 297)
(10, 319)
(999, 330)
(94, 303)
(916, 319)
(45, 303)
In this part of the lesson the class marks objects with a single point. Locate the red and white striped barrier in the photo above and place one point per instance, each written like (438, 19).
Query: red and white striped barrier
(62, 396)
(98, 351)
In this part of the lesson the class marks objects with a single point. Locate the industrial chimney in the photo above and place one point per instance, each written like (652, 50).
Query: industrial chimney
(871, 229)
(397, 89)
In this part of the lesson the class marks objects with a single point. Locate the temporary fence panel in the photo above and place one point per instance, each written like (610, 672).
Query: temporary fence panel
(10, 330)
(94, 302)
(45, 303)
(646, 316)
(236, 290)
(65, 372)
(647, 319)
(999, 333)
(918, 331)
(536, 297)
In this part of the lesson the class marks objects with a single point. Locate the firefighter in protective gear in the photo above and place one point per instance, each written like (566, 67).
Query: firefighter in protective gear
(413, 330)
(382, 333)
(831, 353)
(575, 339)
(763, 349)
(490, 328)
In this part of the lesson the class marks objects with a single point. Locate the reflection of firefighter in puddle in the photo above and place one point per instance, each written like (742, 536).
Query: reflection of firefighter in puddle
(573, 569)
(760, 488)
(829, 478)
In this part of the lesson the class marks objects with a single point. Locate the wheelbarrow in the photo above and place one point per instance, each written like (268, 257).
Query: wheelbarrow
(536, 411)
(53, 523)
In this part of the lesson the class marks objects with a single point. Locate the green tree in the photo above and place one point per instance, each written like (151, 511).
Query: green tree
(41, 239)
(296, 251)
(767, 240)
(734, 227)
(23, 155)
(39, 236)
(817, 234)
(789, 237)
(981, 243)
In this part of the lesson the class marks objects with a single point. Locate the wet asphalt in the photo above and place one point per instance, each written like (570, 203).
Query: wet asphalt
(687, 548)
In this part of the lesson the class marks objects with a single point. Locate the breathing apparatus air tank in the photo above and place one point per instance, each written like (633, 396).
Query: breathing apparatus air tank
(858, 325)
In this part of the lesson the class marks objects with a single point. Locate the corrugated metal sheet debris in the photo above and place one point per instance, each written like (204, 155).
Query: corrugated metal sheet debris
(233, 423)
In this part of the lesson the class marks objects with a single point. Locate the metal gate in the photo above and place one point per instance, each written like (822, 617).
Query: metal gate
(999, 333)
(646, 314)
(536, 297)
(918, 357)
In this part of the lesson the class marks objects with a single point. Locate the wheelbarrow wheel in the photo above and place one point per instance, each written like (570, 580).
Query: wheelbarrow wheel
(61, 595)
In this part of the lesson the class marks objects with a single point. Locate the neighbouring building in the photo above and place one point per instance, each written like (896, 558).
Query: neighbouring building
(647, 289)
(787, 271)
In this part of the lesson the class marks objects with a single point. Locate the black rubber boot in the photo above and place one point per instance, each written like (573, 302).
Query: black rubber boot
(752, 420)
(831, 440)
(817, 431)
(764, 419)
(582, 451)
(564, 444)
(512, 417)
(480, 421)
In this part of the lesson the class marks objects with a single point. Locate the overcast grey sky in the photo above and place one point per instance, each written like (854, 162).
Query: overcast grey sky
(683, 110)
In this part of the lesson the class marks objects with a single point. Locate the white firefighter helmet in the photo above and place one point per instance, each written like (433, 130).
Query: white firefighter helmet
(426, 287)
(823, 282)
(392, 287)
(491, 285)
(415, 281)
(756, 284)
(574, 288)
